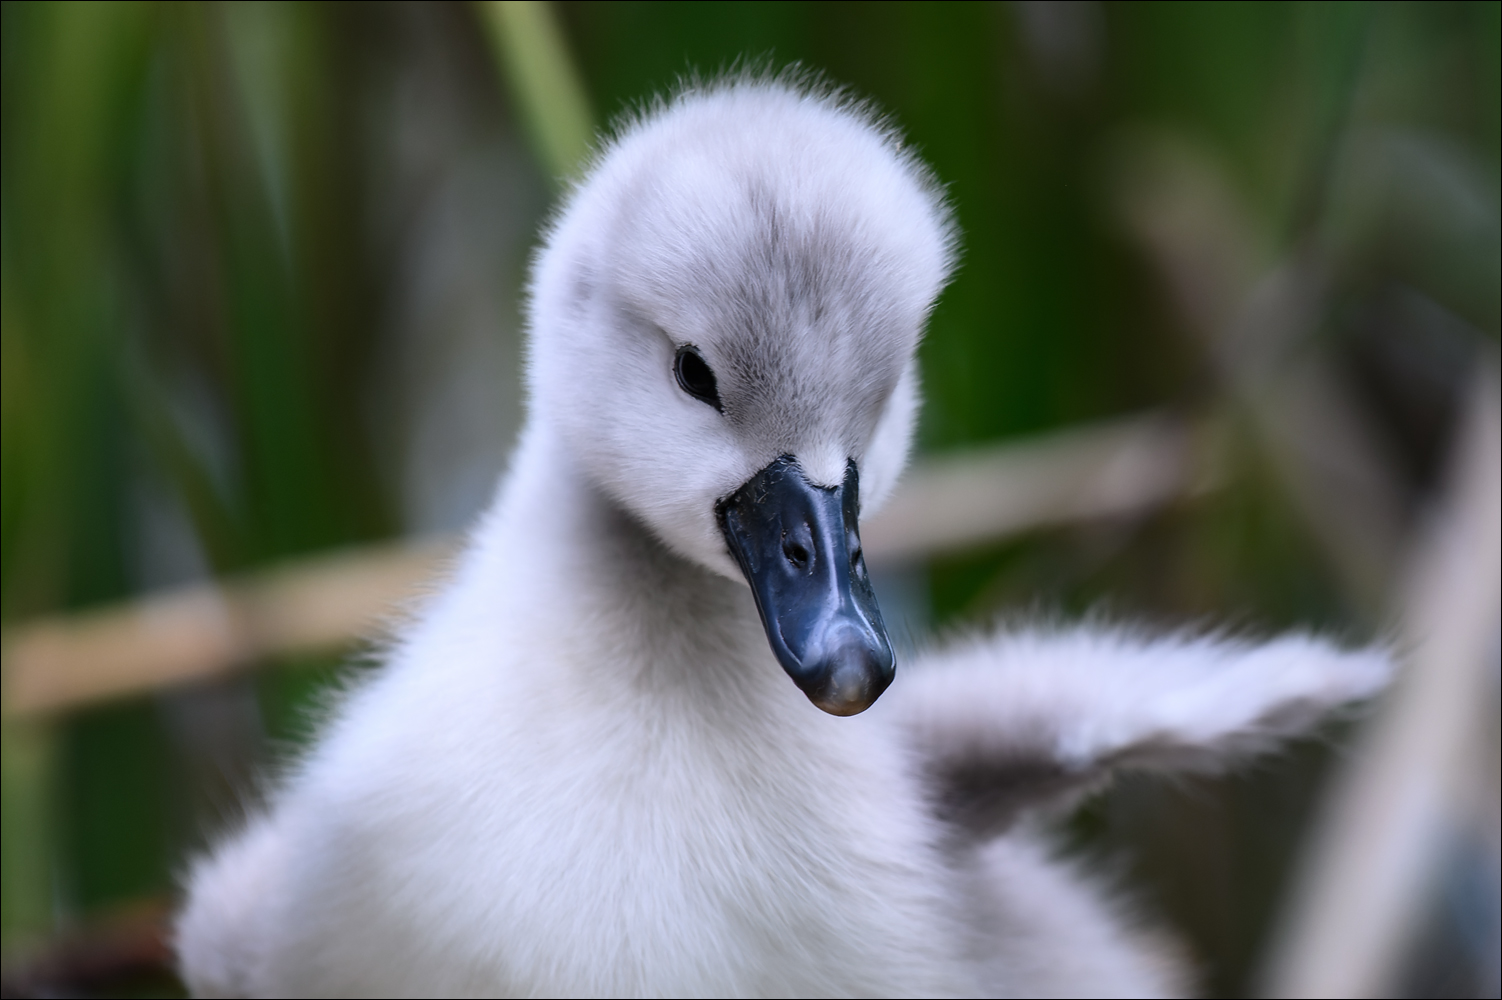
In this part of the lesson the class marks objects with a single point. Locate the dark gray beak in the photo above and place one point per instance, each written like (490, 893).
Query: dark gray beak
(800, 548)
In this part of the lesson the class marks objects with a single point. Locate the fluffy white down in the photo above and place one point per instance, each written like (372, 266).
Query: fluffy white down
(581, 772)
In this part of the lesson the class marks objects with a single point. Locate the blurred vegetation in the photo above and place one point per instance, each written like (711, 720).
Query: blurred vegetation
(260, 267)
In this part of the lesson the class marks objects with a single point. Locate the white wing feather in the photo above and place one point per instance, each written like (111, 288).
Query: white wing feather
(1017, 719)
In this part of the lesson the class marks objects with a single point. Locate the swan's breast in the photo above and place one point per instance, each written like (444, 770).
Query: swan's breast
(562, 849)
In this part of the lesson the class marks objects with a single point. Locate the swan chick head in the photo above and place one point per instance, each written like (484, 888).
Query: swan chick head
(737, 289)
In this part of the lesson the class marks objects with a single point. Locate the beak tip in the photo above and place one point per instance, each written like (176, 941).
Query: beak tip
(853, 682)
(845, 709)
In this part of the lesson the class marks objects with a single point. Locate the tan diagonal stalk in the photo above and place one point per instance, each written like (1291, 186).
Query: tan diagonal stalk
(1379, 846)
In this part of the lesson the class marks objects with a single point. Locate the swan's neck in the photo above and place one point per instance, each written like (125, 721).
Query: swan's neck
(629, 618)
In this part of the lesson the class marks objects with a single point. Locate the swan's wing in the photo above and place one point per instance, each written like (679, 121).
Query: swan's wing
(1014, 720)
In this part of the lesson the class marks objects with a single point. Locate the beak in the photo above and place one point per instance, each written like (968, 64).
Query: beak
(800, 548)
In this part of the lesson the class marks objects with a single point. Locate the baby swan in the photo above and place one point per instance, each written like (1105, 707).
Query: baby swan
(597, 764)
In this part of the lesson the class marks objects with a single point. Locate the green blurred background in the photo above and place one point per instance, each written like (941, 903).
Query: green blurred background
(261, 266)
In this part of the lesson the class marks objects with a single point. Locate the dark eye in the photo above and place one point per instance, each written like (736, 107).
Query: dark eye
(695, 378)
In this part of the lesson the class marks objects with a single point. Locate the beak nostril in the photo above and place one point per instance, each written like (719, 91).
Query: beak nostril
(796, 554)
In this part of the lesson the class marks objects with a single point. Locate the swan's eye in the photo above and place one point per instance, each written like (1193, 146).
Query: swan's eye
(695, 378)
